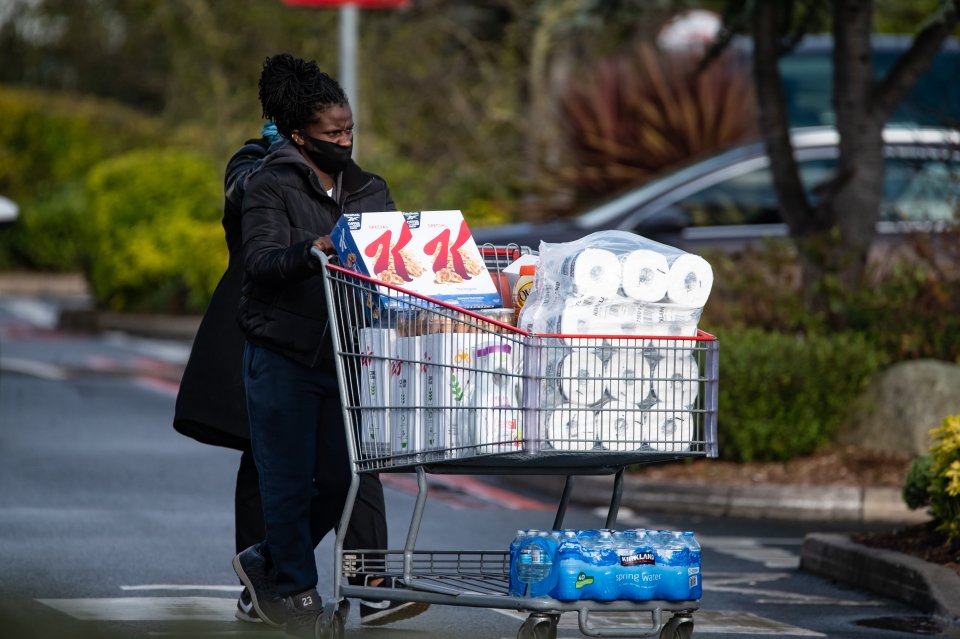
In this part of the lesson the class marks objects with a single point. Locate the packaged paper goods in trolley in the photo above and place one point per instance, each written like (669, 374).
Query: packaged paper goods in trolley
(376, 347)
(616, 283)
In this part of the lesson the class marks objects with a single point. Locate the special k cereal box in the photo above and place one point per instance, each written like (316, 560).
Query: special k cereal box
(454, 269)
(374, 244)
(428, 252)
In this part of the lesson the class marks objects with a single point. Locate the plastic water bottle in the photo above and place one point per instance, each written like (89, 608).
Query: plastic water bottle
(673, 559)
(535, 565)
(605, 562)
(514, 582)
(695, 579)
(636, 575)
(574, 574)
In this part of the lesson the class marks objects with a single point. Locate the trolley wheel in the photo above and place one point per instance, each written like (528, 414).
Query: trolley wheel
(677, 628)
(330, 625)
(539, 626)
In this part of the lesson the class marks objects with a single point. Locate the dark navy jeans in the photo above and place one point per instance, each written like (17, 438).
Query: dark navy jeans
(299, 445)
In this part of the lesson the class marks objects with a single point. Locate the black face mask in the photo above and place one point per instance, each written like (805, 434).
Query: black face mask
(328, 156)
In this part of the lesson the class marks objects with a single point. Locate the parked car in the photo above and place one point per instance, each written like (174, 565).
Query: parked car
(727, 201)
(9, 211)
(807, 74)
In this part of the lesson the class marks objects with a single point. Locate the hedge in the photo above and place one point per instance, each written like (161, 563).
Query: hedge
(782, 395)
(156, 243)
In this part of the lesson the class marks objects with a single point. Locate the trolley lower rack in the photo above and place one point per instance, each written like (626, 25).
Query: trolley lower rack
(479, 578)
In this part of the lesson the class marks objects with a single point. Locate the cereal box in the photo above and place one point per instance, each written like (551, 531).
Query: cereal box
(455, 271)
(375, 245)
(428, 252)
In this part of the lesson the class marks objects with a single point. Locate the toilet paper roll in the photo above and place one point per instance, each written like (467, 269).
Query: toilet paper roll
(571, 428)
(676, 379)
(627, 376)
(620, 426)
(644, 275)
(593, 271)
(575, 320)
(689, 280)
(672, 429)
(580, 376)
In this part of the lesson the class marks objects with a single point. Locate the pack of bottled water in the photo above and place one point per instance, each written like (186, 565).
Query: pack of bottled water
(606, 565)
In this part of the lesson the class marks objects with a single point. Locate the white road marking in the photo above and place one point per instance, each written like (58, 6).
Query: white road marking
(146, 608)
(746, 584)
(755, 550)
(237, 588)
(33, 368)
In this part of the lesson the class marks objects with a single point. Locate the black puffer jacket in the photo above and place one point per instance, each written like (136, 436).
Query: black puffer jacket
(282, 306)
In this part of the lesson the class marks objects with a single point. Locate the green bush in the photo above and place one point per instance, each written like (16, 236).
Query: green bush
(909, 308)
(917, 483)
(48, 142)
(47, 139)
(156, 242)
(782, 396)
(934, 480)
(51, 233)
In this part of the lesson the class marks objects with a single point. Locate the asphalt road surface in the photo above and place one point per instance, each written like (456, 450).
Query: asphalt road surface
(114, 525)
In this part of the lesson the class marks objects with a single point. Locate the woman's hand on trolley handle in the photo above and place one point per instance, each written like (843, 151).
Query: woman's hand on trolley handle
(324, 244)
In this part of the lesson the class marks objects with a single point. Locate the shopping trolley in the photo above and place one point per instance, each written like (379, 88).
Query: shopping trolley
(430, 388)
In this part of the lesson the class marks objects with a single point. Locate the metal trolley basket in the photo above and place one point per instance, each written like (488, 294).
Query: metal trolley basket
(432, 388)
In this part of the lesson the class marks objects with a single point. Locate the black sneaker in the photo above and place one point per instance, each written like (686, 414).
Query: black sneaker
(380, 613)
(251, 567)
(245, 610)
(303, 614)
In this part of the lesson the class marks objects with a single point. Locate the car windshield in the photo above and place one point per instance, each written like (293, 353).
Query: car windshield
(916, 189)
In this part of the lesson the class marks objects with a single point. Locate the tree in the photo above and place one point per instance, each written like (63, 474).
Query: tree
(834, 228)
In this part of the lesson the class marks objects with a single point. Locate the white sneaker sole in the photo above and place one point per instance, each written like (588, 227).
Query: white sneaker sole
(393, 614)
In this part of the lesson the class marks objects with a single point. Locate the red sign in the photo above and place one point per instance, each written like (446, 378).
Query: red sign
(363, 4)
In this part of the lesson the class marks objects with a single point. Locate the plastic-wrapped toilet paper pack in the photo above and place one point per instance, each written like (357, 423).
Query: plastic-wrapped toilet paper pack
(633, 285)
(580, 377)
(592, 271)
(571, 428)
(627, 376)
(676, 379)
(644, 275)
(689, 280)
(671, 428)
(620, 426)
(547, 365)
(577, 320)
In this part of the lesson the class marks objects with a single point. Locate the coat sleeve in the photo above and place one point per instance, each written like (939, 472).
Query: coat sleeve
(268, 257)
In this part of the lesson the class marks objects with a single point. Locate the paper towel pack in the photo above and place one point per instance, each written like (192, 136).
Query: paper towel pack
(376, 345)
(496, 394)
(405, 427)
(447, 383)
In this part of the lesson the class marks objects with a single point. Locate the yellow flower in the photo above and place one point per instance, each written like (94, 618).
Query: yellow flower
(952, 474)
